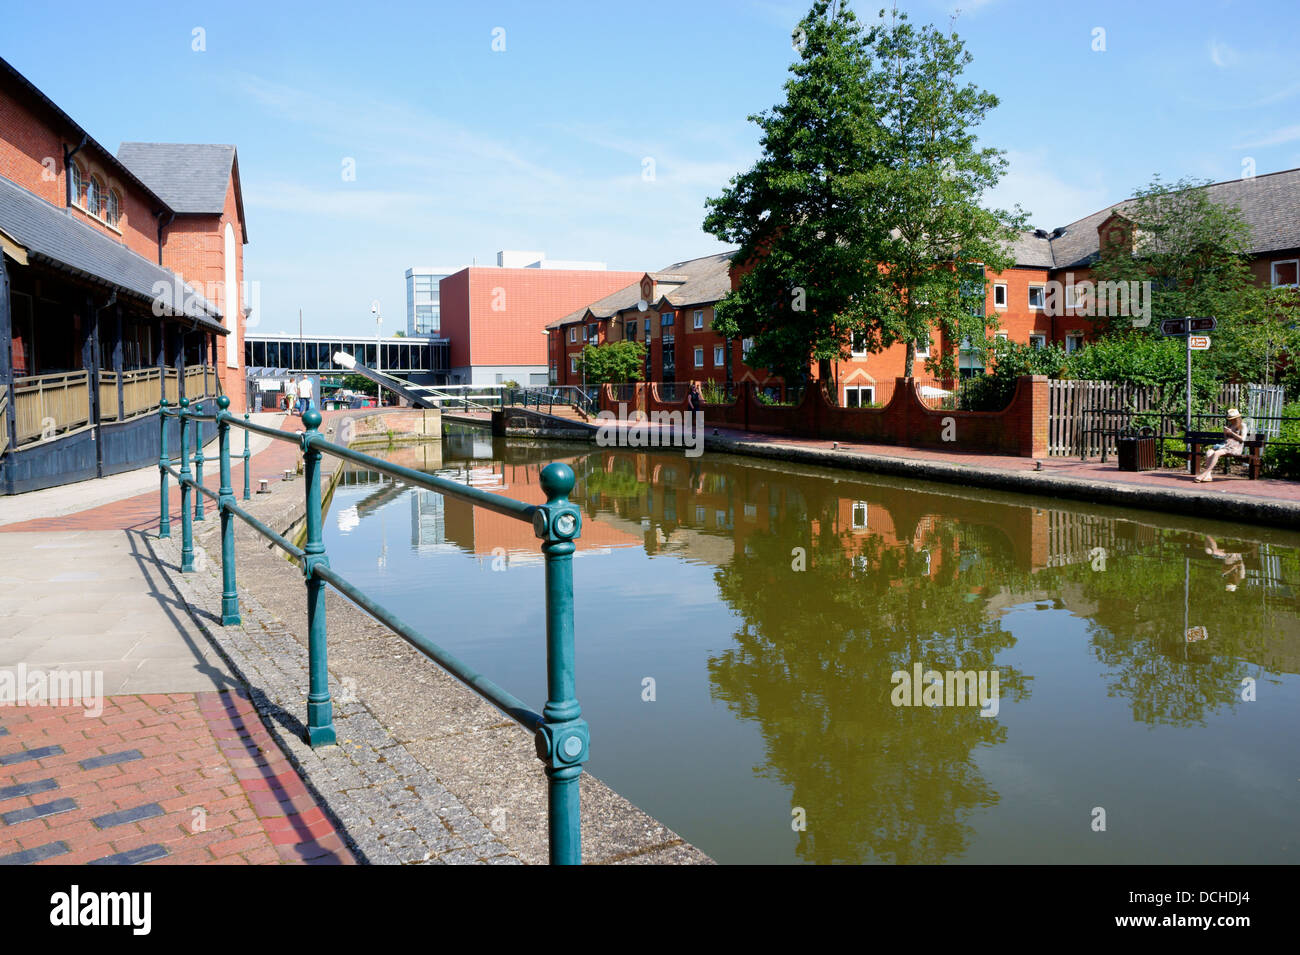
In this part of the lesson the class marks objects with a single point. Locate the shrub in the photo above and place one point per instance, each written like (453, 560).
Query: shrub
(1281, 460)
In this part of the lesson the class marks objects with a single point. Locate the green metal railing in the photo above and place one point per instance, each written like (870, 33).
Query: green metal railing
(560, 732)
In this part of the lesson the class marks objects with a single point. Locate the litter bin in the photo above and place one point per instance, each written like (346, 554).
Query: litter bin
(1137, 453)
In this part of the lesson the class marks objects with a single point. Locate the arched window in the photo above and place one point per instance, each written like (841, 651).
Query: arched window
(95, 198)
(114, 207)
(75, 172)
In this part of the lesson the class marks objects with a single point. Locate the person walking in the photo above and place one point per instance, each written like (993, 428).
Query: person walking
(305, 392)
(1234, 438)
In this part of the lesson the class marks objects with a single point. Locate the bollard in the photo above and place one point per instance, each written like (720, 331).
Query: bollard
(563, 740)
(320, 715)
(164, 518)
(225, 501)
(246, 494)
(187, 523)
(198, 464)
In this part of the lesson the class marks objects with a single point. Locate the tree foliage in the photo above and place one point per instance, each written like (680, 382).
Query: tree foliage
(612, 362)
(853, 223)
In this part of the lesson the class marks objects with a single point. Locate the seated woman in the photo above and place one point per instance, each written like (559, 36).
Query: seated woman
(1234, 438)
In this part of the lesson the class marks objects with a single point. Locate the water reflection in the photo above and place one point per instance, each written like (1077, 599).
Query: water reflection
(832, 582)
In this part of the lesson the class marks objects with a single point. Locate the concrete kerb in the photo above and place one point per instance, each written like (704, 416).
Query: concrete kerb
(426, 771)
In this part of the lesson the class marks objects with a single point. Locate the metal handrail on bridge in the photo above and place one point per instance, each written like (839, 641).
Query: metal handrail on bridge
(560, 732)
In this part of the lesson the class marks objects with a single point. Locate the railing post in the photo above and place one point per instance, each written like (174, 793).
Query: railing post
(187, 523)
(563, 740)
(225, 501)
(320, 712)
(246, 456)
(198, 463)
(164, 517)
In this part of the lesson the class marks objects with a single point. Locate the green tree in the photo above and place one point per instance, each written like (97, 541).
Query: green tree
(941, 241)
(612, 362)
(803, 217)
(1194, 252)
(360, 384)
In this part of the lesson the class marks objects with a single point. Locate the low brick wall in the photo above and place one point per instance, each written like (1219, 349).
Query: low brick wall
(1019, 429)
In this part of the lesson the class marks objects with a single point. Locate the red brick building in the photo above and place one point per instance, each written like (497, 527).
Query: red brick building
(1034, 301)
(119, 285)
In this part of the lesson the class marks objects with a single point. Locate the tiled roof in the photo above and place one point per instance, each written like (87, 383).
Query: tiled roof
(51, 234)
(695, 281)
(190, 177)
(1269, 204)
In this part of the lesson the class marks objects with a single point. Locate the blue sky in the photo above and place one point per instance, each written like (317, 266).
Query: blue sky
(461, 150)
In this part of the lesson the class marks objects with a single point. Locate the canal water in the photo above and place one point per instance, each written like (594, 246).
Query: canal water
(750, 636)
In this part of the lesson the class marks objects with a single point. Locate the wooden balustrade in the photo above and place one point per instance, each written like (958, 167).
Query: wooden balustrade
(49, 405)
(173, 393)
(139, 391)
(108, 410)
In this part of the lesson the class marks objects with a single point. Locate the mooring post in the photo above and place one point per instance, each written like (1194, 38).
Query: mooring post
(187, 521)
(225, 501)
(563, 740)
(198, 463)
(246, 494)
(320, 712)
(164, 518)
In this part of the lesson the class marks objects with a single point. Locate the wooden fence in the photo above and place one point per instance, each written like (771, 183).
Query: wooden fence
(1083, 415)
(173, 392)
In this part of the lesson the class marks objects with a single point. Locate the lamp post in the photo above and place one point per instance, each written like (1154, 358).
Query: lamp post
(379, 350)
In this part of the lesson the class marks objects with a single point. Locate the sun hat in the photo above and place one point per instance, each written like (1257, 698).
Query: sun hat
(1234, 413)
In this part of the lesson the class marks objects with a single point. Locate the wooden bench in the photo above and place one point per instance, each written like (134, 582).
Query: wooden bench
(1197, 442)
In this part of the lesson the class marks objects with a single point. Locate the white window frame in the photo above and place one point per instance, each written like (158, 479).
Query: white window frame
(573, 364)
(699, 318)
(1073, 341)
(746, 346)
(1042, 297)
(923, 352)
(859, 525)
(1001, 335)
(1038, 337)
(859, 390)
(856, 352)
(1273, 273)
(719, 356)
(1000, 286)
(699, 356)
(573, 334)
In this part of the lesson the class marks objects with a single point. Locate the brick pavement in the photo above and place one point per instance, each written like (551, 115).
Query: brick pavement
(182, 778)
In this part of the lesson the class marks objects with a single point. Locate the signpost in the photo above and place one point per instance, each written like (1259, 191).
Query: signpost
(1171, 327)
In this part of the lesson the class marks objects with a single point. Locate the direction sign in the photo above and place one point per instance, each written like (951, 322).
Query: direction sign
(1181, 326)
(1198, 342)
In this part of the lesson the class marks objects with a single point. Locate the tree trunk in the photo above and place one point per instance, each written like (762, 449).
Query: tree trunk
(911, 357)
